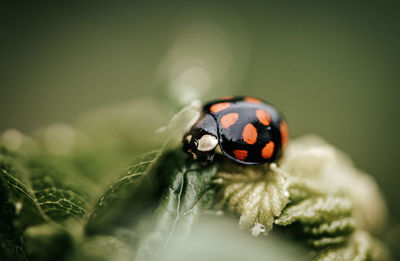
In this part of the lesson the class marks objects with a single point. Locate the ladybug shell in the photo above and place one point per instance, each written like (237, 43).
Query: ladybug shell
(250, 131)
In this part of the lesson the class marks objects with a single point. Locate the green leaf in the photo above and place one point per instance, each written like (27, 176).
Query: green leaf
(140, 187)
(38, 191)
(45, 186)
(16, 184)
(60, 190)
(126, 196)
(11, 245)
(188, 191)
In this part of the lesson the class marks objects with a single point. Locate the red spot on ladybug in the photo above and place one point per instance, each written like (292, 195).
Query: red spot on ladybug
(263, 116)
(219, 107)
(284, 133)
(227, 98)
(249, 134)
(268, 150)
(229, 119)
(252, 100)
(240, 154)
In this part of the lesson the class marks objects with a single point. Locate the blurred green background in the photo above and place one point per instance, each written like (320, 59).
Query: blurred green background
(332, 69)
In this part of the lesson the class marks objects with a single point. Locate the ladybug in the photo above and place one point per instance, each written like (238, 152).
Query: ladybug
(248, 130)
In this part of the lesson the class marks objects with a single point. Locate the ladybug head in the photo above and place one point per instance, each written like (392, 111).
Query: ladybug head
(200, 144)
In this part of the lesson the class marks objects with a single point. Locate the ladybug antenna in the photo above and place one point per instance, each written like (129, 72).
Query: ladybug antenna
(193, 154)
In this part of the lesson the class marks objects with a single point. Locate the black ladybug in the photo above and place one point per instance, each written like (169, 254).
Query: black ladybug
(248, 130)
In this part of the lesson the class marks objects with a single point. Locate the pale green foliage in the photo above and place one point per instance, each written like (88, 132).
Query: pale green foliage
(314, 188)
(361, 246)
(317, 168)
(316, 210)
(338, 226)
(256, 196)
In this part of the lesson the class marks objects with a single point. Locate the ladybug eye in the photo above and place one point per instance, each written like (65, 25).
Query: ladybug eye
(207, 143)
